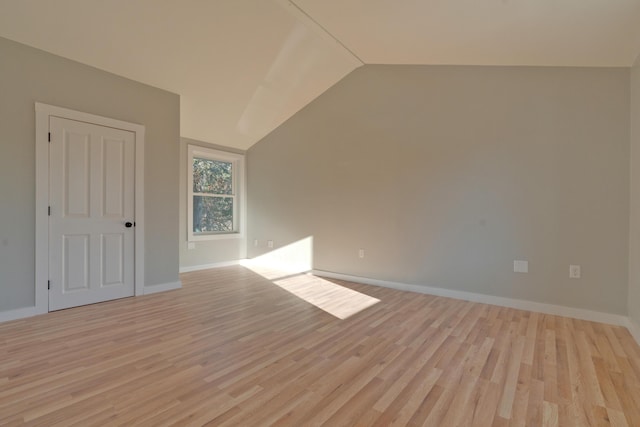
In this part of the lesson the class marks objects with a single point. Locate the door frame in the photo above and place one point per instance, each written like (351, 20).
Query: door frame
(43, 113)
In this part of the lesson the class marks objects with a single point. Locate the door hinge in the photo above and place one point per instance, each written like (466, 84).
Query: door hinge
(49, 136)
(49, 211)
(49, 284)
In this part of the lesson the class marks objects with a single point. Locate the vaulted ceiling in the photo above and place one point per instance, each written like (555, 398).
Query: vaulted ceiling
(242, 67)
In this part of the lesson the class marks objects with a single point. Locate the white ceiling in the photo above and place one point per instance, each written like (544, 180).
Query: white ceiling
(242, 67)
(484, 32)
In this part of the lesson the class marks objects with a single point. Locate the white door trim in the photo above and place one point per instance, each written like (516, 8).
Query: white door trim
(43, 112)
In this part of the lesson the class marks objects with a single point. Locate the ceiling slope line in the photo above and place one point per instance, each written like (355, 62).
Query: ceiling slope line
(314, 25)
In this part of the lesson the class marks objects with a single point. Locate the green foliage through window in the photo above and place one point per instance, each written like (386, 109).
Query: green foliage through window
(212, 176)
(213, 196)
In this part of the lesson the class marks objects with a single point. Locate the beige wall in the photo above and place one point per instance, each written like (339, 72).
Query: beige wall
(28, 75)
(634, 234)
(205, 252)
(446, 174)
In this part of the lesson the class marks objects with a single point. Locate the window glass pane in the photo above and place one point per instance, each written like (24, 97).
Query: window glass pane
(212, 176)
(212, 214)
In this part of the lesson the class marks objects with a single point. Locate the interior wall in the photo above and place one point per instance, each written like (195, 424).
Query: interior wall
(28, 75)
(204, 252)
(445, 175)
(634, 235)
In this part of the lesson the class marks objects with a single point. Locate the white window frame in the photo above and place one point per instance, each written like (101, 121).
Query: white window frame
(239, 192)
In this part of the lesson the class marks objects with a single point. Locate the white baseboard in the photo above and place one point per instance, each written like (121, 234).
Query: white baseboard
(558, 310)
(153, 289)
(208, 266)
(284, 267)
(19, 313)
(634, 329)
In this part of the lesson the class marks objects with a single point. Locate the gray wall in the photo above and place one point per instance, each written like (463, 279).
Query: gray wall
(28, 75)
(446, 174)
(634, 235)
(207, 251)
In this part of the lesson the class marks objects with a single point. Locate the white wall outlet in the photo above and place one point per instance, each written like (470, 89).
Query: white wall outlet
(255, 243)
(520, 266)
(361, 253)
(270, 243)
(191, 245)
(574, 271)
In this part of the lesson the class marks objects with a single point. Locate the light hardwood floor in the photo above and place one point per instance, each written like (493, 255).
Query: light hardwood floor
(233, 348)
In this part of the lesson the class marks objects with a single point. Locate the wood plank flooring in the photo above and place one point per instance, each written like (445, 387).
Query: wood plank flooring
(233, 348)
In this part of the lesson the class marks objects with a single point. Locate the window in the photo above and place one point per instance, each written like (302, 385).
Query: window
(216, 193)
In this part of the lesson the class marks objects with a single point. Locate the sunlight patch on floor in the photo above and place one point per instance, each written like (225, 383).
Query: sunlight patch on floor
(330, 297)
(336, 300)
(289, 268)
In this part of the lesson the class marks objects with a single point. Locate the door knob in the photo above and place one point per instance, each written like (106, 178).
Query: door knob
(128, 224)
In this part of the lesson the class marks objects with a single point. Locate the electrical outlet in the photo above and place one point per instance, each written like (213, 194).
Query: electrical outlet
(574, 272)
(520, 266)
(255, 243)
(270, 243)
(361, 253)
(191, 245)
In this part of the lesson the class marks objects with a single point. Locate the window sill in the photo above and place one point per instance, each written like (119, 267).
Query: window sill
(208, 237)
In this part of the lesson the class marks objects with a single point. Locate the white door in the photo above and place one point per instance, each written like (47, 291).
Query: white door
(91, 197)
